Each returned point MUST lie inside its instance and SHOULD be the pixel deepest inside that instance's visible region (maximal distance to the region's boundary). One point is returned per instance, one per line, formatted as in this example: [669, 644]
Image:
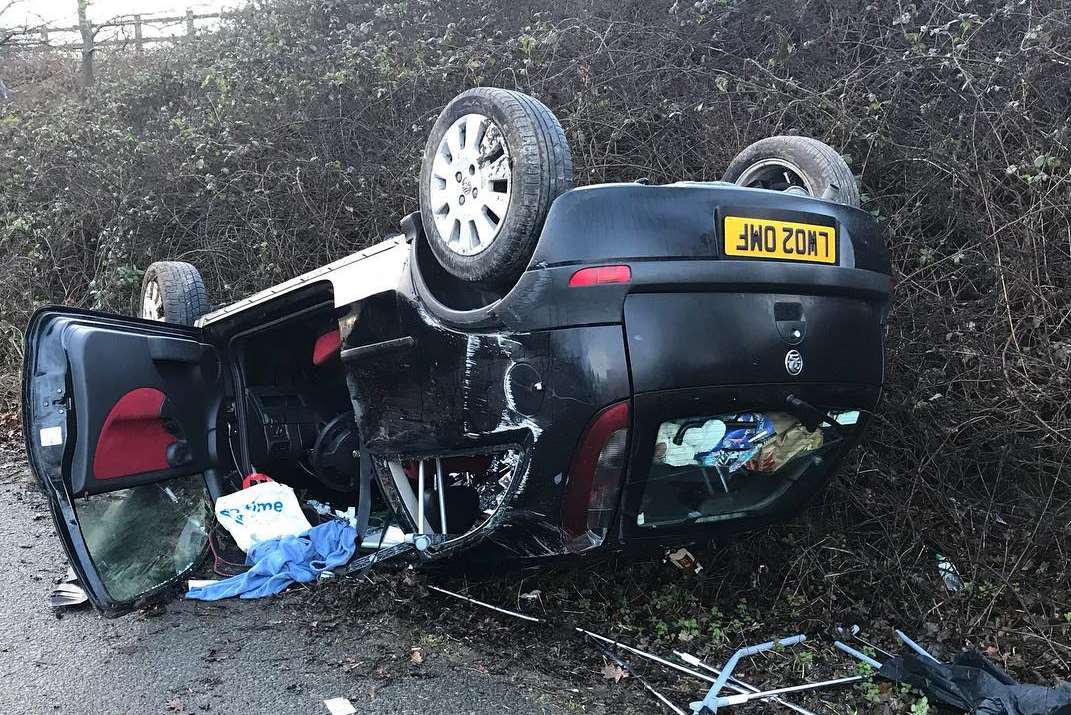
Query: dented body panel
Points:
[695, 393]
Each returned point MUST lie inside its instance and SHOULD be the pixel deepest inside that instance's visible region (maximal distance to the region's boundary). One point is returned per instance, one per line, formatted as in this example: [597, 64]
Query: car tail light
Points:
[600, 275]
[595, 478]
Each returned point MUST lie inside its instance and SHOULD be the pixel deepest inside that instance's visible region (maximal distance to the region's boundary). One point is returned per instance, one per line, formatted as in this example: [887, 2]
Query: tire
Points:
[798, 165]
[173, 292]
[509, 171]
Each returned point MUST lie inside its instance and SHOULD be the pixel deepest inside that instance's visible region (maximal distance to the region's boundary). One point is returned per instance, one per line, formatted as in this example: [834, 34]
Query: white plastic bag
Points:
[267, 510]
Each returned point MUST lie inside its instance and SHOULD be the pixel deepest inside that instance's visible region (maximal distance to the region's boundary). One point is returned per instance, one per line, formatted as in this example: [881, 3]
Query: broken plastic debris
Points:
[847, 418]
[340, 706]
[202, 582]
[325, 509]
[68, 593]
[377, 539]
[319, 507]
[949, 574]
[684, 560]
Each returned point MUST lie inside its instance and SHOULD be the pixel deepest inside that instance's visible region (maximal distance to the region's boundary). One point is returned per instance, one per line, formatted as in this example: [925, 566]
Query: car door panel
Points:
[151, 413]
[119, 418]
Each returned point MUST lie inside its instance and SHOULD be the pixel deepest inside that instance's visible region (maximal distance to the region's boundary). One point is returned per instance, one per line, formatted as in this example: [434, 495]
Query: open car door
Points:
[119, 417]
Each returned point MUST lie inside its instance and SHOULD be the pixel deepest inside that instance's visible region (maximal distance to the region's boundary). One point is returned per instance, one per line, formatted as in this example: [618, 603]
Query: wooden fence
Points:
[44, 38]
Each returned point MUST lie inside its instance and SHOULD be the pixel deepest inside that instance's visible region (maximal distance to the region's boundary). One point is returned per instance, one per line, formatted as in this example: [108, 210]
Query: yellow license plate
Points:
[780, 240]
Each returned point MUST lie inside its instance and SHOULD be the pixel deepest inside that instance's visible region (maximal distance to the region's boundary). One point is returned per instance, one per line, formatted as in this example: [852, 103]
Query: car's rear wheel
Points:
[493, 164]
[797, 165]
[173, 292]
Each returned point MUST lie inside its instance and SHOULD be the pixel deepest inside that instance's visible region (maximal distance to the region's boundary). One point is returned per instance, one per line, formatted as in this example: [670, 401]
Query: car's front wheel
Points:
[798, 165]
[493, 164]
[173, 292]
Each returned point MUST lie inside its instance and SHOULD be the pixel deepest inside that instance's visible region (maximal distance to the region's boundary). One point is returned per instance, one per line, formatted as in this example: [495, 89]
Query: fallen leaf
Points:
[614, 672]
[416, 655]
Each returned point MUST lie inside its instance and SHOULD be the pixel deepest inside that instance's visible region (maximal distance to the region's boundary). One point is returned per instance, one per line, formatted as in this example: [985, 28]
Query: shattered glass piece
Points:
[143, 537]
[850, 417]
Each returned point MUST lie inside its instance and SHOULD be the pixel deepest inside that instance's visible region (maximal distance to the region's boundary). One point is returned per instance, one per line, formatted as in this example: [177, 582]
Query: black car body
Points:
[648, 318]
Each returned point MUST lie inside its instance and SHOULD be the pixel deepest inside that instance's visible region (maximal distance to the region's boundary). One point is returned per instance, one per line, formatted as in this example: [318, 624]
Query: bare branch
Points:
[5, 7]
[9, 33]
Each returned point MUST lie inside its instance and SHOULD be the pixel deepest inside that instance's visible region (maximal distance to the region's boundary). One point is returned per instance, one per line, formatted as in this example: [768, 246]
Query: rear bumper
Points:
[543, 300]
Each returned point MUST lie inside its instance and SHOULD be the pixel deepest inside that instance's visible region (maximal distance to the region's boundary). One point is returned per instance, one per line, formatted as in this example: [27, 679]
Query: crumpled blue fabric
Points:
[277, 563]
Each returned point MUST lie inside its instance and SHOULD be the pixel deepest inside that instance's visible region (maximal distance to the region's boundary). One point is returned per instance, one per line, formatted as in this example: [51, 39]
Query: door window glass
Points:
[141, 538]
[723, 466]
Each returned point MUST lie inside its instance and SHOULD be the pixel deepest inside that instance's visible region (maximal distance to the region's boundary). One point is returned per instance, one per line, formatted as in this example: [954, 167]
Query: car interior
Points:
[291, 418]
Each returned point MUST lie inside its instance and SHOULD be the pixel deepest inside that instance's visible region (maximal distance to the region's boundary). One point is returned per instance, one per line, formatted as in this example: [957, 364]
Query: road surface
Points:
[279, 655]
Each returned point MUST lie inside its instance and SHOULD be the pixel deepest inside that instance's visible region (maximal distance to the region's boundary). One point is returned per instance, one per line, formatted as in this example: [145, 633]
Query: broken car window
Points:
[717, 467]
[141, 538]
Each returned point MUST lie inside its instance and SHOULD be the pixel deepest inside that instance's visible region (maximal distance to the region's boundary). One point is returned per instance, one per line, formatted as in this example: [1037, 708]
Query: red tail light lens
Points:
[595, 477]
[600, 275]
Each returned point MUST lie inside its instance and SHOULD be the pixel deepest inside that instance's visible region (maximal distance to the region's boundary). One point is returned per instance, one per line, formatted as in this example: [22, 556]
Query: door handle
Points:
[175, 350]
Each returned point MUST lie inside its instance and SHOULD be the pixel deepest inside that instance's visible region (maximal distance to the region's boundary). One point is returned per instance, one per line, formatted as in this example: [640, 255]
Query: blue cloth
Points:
[277, 563]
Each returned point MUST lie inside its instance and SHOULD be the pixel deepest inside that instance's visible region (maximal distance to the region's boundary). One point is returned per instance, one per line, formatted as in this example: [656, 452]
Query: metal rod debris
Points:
[730, 700]
[845, 648]
[915, 646]
[508, 612]
[734, 684]
[730, 665]
[441, 491]
[739, 685]
[648, 656]
[420, 498]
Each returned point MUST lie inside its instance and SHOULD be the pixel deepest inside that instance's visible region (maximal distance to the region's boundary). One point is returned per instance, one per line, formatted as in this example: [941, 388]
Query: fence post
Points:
[189, 23]
[44, 36]
[85, 28]
[137, 36]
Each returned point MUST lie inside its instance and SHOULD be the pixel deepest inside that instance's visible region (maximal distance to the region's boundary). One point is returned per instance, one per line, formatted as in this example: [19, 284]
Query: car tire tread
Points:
[830, 175]
[182, 291]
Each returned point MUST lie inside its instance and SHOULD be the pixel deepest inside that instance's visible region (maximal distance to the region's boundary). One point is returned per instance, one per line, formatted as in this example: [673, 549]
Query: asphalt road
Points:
[280, 655]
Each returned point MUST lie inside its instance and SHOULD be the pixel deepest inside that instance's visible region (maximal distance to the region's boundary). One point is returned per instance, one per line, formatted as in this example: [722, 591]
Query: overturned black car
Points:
[529, 371]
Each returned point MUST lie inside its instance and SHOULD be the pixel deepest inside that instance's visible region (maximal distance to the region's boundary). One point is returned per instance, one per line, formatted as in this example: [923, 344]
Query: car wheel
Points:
[173, 292]
[798, 165]
[494, 163]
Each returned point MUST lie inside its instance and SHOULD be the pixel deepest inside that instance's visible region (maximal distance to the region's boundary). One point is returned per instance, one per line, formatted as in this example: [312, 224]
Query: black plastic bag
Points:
[975, 685]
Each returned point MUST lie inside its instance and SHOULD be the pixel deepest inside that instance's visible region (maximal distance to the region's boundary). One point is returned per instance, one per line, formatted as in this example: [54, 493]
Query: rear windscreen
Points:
[724, 466]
